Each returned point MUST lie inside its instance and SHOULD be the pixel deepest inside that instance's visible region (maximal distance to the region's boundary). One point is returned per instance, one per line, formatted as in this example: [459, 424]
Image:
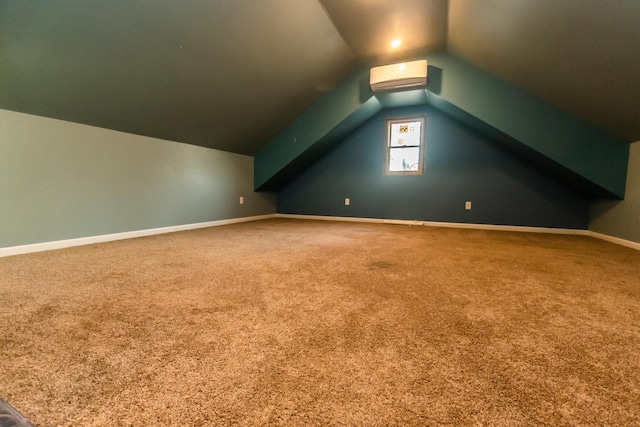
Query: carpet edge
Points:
[81, 241]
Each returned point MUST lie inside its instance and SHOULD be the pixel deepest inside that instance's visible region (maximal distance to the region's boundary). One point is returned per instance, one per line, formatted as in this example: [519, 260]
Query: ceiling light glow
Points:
[396, 43]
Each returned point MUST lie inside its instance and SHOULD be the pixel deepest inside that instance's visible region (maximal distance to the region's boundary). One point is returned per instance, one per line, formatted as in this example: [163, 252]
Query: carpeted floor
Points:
[288, 322]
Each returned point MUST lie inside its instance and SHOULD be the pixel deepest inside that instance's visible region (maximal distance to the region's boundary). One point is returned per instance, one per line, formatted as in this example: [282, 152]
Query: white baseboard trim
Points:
[491, 227]
[525, 229]
[60, 244]
[616, 240]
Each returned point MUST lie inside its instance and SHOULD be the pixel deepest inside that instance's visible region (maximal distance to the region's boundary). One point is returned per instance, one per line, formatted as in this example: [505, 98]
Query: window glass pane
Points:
[404, 159]
[405, 146]
[403, 134]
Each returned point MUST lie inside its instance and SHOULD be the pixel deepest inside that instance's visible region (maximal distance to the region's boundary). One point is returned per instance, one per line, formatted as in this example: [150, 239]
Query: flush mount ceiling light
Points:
[396, 43]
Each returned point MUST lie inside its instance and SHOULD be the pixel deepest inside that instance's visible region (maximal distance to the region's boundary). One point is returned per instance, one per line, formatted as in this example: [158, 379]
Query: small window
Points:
[405, 146]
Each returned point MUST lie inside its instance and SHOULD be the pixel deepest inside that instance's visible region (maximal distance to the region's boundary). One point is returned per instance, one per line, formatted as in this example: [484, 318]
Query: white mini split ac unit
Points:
[406, 75]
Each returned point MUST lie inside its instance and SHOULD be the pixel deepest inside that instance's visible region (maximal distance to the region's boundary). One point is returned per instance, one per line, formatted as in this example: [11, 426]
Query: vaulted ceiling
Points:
[231, 74]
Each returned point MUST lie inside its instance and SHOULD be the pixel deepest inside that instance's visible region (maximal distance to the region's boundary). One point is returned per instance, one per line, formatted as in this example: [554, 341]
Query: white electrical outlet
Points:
[347, 201]
[467, 205]
[241, 200]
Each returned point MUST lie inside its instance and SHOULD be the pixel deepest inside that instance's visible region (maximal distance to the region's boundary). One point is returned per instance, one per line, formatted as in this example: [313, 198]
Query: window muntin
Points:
[405, 146]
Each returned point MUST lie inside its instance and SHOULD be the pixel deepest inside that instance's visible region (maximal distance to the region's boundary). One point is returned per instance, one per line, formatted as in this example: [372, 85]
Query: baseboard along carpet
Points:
[299, 322]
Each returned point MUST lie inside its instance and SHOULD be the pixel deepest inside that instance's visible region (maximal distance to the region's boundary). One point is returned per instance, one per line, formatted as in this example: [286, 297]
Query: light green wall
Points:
[61, 180]
[621, 218]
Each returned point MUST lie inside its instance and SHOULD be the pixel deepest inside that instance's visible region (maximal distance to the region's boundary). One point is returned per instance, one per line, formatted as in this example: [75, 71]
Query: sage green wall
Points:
[621, 218]
[62, 180]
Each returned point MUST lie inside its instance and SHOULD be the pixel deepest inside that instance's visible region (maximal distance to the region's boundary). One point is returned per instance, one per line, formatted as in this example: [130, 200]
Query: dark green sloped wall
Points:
[585, 157]
[461, 165]
[336, 115]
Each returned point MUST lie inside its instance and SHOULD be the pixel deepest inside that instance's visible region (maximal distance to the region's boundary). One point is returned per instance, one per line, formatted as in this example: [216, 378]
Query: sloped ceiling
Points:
[231, 74]
[580, 55]
[226, 74]
[368, 27]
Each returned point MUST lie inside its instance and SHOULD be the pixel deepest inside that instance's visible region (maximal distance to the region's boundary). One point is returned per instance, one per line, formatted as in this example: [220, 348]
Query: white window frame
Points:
[389, 147]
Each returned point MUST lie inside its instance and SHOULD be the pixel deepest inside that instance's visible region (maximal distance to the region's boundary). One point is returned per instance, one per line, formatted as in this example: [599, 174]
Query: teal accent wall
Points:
[316, 131]
[61, 180]
[570, 149]
[461, 165]
[556, 140]
[621, 218]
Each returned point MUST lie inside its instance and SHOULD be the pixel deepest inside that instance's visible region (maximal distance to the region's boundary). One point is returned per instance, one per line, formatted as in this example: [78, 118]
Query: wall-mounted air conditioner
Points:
[406, 75]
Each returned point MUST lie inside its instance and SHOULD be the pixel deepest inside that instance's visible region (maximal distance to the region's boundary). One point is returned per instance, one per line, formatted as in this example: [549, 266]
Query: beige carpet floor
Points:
[291, 322]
